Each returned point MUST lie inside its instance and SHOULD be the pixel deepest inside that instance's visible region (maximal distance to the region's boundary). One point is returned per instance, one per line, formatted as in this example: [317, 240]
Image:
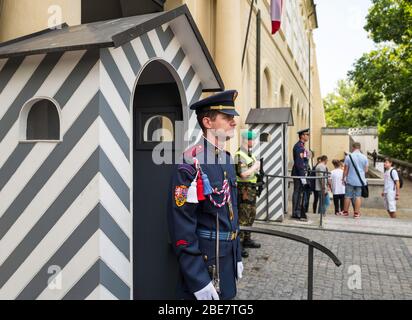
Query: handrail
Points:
[395, 161]
[297, 238]
[325, 175]
[404, 167]
[301, 177]
[311, 244]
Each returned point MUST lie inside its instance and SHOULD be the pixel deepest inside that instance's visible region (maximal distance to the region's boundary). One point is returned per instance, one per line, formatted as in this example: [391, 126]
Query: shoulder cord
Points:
[225, 188]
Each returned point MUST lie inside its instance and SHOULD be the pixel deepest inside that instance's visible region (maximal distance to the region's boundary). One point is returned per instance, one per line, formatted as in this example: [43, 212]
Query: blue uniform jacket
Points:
[299, 166]
[195, 254]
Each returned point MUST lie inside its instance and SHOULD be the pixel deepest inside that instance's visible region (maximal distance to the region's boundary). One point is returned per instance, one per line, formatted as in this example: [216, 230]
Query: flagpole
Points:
[248, 30]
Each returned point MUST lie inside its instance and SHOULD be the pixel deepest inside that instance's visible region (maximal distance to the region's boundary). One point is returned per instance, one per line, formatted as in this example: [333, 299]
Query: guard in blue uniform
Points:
[299, 169]
[204, 200]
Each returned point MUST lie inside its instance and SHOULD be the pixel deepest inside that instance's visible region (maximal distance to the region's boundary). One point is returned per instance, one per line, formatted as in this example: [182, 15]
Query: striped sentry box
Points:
[68, 204]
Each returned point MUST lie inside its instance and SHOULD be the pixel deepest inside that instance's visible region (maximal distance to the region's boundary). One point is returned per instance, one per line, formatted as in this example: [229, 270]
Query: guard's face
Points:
[306, 137]
[223, 126]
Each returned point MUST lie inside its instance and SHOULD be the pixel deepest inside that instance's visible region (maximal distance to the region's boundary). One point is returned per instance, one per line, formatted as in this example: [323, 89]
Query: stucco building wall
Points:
[285, 58]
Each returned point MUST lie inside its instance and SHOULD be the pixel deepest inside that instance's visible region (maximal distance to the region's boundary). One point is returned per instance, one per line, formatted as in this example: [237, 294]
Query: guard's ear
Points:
[207, 123]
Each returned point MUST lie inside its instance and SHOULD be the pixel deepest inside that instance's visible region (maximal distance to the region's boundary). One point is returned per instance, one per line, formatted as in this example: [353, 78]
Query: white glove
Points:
[303, 181]
[240, 270]
[207, 293]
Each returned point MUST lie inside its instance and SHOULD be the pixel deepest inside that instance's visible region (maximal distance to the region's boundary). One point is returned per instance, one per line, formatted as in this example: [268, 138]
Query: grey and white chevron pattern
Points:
[272, 153]
[68, 204]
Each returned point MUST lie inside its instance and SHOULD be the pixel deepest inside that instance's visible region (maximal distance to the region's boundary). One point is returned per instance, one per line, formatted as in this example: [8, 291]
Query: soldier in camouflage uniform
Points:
[246, 169]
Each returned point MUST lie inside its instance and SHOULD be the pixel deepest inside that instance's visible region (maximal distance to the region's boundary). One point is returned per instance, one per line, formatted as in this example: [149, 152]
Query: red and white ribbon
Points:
[226, 191]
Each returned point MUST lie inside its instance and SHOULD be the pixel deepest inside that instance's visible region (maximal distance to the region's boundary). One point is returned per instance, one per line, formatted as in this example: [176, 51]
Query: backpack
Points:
[400, 179]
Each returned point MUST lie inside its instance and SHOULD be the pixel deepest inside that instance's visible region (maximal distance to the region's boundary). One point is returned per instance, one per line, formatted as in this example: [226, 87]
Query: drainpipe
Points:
[310, 89]
[258, 59]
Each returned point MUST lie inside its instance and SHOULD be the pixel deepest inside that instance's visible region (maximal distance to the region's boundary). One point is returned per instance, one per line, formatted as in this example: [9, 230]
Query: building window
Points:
[266, 89]
[40, 121]
[265, 137]
[282, 102]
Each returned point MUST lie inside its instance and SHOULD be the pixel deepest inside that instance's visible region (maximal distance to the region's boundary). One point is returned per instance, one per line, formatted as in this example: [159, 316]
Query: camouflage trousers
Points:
[246, 207]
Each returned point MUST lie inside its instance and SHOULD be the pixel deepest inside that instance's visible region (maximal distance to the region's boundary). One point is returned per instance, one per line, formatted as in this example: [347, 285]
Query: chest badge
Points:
[181, 195]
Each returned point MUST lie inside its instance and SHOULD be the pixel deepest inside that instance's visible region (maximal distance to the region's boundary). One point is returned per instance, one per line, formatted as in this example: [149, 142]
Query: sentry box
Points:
[82, 204]
[272, 125]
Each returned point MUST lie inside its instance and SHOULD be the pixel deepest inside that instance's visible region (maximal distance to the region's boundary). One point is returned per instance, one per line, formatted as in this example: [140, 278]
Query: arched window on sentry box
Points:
[40, 121]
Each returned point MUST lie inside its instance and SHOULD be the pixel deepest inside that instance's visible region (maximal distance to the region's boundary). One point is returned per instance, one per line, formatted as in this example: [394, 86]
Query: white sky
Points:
[340, 39]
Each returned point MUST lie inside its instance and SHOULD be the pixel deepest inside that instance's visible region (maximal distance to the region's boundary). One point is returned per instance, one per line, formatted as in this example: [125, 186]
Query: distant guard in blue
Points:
[203, 213]
[300, 161]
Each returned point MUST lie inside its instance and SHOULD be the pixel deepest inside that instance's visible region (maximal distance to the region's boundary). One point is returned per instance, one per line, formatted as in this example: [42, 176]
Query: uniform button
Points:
[205, 258]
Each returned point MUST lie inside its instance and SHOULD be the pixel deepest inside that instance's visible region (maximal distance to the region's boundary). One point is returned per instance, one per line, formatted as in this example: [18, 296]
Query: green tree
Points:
[388, 71]
[391, 21]
[350, 107]
[379, 88]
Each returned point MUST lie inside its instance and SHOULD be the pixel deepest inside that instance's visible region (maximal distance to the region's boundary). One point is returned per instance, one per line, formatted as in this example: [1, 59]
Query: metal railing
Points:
[324, 176]
[405, 168]
[311, 246]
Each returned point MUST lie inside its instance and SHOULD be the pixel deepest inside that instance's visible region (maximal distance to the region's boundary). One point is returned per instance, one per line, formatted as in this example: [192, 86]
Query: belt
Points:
[223, 236]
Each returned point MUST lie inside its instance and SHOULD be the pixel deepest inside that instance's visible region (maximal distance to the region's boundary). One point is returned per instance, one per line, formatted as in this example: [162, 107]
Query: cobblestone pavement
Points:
[278, 271]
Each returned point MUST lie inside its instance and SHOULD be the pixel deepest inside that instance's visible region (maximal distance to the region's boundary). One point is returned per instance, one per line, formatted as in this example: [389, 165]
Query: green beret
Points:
[249, 135]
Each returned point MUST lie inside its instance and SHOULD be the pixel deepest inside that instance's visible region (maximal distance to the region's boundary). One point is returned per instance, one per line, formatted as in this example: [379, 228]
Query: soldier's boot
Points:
[244, 253]
[249, 243]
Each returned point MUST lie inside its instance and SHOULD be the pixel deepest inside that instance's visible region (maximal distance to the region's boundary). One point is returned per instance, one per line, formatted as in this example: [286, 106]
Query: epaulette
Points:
[187, 167]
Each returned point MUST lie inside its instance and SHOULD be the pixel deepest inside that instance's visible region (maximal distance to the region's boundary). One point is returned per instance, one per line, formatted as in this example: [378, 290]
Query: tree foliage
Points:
[350, 107]
[382, 78]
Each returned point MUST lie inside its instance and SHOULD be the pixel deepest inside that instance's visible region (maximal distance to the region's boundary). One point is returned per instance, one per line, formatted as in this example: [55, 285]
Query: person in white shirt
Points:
[337, 186]
[391, 188]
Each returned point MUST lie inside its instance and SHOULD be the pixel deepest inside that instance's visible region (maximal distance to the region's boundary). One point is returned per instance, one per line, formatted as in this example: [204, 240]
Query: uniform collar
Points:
[211, 147]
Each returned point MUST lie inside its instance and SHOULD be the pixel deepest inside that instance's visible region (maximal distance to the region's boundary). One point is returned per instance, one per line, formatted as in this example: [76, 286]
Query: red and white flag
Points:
[276, 13]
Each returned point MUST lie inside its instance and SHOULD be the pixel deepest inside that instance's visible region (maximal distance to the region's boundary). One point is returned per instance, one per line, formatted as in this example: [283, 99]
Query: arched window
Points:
[291, 102]
[266, 89]
[302, 116]
[282, 97]
[298, 118]
[40, 121]
[247, 95]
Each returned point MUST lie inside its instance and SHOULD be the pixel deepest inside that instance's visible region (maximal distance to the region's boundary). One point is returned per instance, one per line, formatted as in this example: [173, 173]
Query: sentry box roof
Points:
[115, 33]
[270, 116]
